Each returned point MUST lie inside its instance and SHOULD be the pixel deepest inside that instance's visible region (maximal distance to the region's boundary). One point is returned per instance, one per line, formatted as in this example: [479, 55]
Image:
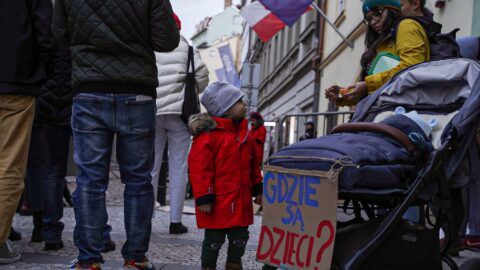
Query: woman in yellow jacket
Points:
[406, 39]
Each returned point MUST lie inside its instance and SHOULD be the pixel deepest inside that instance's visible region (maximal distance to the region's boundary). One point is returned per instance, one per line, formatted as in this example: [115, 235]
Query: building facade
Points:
[288, 82]
[287, 78]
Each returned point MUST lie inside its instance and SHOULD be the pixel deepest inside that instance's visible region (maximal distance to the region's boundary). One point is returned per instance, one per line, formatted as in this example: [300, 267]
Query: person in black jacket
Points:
[26, 61]
[309, 131]
[114, 79]
[54, 109]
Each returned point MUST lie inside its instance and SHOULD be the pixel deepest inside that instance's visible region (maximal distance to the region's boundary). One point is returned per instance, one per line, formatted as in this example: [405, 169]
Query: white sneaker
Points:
[7, 254]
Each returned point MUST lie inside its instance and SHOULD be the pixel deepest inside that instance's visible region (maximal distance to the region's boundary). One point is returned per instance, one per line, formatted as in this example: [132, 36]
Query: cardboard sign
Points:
[299, 219]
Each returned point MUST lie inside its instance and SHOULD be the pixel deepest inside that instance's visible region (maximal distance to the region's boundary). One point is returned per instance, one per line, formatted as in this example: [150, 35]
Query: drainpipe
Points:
[318, 59]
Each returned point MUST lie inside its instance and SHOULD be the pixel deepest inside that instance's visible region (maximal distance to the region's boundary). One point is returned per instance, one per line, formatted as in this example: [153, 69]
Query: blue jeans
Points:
[96, 118]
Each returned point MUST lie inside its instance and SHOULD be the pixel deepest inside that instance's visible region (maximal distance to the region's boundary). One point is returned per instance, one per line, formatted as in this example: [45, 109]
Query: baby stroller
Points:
[380, 180]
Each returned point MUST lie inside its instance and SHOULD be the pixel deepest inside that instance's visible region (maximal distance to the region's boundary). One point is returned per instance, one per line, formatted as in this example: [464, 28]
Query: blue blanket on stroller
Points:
[372, 161]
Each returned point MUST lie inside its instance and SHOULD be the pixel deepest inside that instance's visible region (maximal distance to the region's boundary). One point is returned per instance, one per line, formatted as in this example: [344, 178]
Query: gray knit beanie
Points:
[219, 97]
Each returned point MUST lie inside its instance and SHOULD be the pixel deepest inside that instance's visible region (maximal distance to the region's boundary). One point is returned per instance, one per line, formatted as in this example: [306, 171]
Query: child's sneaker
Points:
[141, 265]
[76, 265]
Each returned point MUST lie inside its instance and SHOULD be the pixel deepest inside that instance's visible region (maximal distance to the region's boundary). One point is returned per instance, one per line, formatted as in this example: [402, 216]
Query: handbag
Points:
[191, 104]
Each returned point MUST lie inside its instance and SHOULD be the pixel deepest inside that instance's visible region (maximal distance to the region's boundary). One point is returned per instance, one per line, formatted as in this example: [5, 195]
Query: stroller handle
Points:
[389, 131]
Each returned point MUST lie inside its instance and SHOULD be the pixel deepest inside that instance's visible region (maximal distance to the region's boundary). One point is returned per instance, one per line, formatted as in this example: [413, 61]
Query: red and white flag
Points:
[262, 20]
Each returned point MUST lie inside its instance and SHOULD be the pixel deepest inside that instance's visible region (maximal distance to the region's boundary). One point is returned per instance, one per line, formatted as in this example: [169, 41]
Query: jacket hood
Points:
[203, 122]
[200, 123]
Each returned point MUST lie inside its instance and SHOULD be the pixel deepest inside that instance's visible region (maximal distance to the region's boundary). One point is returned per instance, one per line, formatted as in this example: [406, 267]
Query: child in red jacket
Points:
[224, 174]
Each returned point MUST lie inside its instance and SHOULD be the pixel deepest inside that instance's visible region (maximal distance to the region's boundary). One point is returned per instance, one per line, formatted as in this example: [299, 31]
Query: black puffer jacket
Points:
[112, 42]
[54, 105]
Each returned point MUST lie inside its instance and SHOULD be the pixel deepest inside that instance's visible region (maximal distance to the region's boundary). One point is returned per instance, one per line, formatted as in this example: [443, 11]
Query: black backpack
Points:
[442, 45]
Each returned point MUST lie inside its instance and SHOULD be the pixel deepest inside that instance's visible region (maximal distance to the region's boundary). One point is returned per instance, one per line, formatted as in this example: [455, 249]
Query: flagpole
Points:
[319, 10]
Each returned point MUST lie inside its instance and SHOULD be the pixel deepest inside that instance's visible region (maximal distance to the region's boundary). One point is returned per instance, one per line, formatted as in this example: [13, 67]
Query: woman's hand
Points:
[332, 93]
[205, 208]
[360, 90]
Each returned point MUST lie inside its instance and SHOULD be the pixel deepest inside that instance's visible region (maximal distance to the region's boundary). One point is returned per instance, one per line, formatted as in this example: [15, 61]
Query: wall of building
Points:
[455, 14]
[220, 28]
[287, 77]
[212, 59]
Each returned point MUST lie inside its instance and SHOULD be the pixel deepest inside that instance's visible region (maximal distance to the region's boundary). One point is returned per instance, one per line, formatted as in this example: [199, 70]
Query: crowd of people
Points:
[103, 74]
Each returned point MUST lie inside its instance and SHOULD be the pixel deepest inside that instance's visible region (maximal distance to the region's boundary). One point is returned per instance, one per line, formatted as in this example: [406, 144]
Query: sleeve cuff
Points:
[257, 189]
[210, 198]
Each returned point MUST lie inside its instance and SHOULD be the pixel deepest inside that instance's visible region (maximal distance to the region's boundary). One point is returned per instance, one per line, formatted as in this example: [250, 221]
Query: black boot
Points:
[37, 234]
[14, 235]
[177, 228]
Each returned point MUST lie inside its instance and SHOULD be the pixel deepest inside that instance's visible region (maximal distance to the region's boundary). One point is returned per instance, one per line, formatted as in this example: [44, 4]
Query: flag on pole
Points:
[287, 10]
[262, 21]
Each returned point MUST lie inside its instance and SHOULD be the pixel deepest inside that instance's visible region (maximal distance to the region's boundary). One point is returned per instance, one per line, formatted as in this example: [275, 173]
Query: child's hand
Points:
[259, 199]
[205, 208]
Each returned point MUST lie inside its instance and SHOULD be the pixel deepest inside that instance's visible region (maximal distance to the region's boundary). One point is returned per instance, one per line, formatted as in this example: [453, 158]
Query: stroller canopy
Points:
[433, 84]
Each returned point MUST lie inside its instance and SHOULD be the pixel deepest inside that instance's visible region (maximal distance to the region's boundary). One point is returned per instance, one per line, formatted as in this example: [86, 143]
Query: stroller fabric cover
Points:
[370, 160]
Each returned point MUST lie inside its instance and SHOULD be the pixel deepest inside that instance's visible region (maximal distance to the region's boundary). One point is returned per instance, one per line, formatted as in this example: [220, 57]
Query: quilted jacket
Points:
[172, 73]
[113, 42]
[54, 104]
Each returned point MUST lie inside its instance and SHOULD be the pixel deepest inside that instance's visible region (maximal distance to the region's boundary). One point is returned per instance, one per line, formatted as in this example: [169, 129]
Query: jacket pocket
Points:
[87, 113]
[140, 116]
[227, 196]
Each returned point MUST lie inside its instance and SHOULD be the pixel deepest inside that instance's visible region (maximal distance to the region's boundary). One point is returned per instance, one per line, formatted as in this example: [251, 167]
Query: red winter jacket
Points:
[259, 135]
[223, 171]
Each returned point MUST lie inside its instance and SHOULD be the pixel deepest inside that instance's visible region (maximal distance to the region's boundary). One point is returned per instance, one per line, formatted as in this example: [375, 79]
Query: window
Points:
[340, 7]
[340, 16]
[274, 52]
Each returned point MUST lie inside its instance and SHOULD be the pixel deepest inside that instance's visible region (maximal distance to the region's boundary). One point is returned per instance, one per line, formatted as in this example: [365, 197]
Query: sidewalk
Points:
[166, 251]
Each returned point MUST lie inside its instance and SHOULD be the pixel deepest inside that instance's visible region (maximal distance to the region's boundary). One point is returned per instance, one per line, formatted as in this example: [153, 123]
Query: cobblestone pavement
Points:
[166, 251]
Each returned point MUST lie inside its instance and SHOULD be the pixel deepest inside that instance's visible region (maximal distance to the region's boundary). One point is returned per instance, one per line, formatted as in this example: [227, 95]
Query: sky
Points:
[191, 12]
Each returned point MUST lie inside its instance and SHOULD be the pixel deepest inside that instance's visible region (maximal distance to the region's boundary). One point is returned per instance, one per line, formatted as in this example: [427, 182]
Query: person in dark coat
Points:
[26, 60]
[309, 131]
[114, 80]
[54, 109]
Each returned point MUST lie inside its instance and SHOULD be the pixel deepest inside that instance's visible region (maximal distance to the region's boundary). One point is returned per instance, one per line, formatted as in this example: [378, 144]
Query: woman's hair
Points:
[373, 39]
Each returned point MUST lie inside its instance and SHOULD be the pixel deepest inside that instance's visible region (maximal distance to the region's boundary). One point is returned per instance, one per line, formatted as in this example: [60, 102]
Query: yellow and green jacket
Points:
[411, 45]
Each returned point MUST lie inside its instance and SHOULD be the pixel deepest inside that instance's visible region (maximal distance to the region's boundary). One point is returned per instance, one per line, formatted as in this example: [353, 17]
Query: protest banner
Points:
[299, 219]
